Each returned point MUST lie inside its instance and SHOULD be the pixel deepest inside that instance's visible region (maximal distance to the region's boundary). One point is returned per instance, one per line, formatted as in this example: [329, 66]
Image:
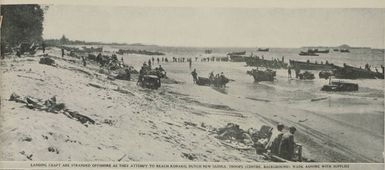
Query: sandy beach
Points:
[168, 124]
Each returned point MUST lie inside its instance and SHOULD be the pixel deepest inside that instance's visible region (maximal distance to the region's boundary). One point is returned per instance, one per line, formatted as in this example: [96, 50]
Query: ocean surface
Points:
[283, 91]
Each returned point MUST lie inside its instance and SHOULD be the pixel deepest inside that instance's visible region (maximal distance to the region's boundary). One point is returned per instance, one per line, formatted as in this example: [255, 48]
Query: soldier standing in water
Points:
[43, 46]
[62, 52]
[289, 72]
[195, 75]
[149, 63]
[297, 71]
[190, 63]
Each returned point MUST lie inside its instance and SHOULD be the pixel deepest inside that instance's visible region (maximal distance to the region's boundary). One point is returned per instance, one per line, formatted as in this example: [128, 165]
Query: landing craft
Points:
[93, 50]
[237, 56]
[259, 62]
[302, 53]
[306, 76]
[325, 74]
[263, 49]
[316, 50]
[345, 51]
[237, 53]
[340, 86]
[217, 82]
[259, 75]
[26, 46]
[312, 66]
[350, 72]
[208, 51]
[150, 81]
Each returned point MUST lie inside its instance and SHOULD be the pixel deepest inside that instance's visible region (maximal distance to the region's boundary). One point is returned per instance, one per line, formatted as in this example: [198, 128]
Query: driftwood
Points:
[29, 77]
[120, 159]
[96, 86]
[318, 99]
[51, 106]
[275, 158]
[124, 91]
[76, 115]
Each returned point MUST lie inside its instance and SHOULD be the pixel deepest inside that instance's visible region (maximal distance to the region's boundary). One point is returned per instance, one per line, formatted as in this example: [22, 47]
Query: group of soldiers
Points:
[152, 60]
[297, 71]
[219, 80]
[147, 70]
[282, 143]
[367, 67]
[183, 59]
[260, 61]
[212, 59]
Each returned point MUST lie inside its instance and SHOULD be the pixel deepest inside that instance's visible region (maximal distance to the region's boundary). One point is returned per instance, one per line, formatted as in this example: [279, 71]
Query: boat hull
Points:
[340, 86]
[251, 61]
[349, 72]
[311, 66]
[259, 76]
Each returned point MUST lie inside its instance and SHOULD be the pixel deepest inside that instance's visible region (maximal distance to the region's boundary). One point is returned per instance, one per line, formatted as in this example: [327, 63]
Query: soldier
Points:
[18, 53]
[43, 46]
[211, 76]
[99, 58]
[142, 72]
[297, 71]
[195, 75]
[289, 72]
[287, 145]
[162, 72]
[114, 57]
[2, 51]
[128, 73]
[367, 67]
[62, 52]
[161, 68]
[84, 61]
[275, 139]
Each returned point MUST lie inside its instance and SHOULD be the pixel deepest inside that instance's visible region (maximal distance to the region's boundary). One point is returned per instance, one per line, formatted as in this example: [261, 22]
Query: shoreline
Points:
[153, 121]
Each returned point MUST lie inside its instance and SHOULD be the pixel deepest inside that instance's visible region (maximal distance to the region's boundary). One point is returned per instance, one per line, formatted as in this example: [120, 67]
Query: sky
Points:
[217, 27]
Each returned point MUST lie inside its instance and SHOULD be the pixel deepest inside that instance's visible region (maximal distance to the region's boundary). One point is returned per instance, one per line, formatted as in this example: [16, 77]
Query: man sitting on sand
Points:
[287, 146]
[275, 139]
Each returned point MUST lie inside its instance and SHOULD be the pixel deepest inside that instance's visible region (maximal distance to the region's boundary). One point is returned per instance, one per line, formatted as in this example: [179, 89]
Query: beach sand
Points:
[136, 124]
